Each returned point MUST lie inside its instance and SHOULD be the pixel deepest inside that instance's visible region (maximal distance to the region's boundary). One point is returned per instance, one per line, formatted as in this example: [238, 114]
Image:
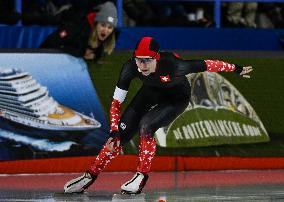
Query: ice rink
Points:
[240, 185]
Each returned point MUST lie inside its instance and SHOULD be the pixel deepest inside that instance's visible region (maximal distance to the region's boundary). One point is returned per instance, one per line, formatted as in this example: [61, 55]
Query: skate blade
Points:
[123, 192]
[128, 197]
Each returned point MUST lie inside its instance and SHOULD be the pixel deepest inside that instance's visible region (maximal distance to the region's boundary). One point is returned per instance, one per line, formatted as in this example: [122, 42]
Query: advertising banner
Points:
[48, 107]
[218, 114]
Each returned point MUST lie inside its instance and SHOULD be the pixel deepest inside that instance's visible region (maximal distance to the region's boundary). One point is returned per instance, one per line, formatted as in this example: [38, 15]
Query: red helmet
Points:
[147, 46]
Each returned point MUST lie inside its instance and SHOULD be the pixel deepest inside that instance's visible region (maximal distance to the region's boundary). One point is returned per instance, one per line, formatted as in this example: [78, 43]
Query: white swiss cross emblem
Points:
[165, 79]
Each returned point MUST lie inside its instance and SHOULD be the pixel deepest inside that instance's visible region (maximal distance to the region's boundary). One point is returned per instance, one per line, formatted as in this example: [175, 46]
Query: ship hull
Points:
[54, 135]
[37, 123]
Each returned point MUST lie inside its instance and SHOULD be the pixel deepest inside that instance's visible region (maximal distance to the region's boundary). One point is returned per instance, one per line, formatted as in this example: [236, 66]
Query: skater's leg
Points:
[143, 101]
[131, 119]
[81, 183]
[160, 116]
[147, 150]
[128, 127]
[105, 156]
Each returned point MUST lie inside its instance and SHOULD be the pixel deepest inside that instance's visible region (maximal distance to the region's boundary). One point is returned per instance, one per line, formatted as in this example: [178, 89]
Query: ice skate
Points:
[135, 185]
[79, 184]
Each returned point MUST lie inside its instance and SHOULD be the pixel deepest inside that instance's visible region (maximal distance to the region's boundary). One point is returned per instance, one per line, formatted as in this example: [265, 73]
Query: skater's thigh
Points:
[128, 125]
[160, 116]
[143, 101]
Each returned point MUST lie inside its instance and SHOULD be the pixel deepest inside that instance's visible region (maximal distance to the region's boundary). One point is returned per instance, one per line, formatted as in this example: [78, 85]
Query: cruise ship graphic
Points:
[24, 101]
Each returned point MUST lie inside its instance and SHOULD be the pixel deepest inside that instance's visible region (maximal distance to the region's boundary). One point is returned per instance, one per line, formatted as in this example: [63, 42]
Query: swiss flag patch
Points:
[165, 79]
[63, 34]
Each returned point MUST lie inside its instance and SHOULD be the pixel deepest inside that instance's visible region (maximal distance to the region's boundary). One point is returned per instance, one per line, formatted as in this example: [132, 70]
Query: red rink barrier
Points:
[129, 163]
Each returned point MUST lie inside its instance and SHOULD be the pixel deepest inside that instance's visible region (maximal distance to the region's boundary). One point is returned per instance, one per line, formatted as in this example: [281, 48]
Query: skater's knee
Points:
[125, 139]
[145, 128]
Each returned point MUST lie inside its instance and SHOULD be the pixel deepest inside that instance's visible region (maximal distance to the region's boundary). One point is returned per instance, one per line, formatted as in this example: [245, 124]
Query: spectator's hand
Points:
[245, 72]
[111, 143]
[89, 54]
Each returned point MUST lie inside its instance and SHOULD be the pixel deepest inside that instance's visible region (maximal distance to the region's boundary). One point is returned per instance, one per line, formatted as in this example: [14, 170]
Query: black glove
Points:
[114, 134]
[238, 69]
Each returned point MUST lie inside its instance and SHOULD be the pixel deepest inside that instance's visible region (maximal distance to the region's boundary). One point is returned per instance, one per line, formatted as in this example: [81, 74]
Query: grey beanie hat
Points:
[107, 14]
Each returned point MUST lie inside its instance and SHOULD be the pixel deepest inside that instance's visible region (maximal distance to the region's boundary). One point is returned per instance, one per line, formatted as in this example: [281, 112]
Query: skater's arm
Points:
[185, 67]
[221, 66]
[115, 110]
[119, 95]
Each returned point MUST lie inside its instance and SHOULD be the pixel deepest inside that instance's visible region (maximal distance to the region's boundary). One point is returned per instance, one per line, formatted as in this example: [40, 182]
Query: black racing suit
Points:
[164, 95]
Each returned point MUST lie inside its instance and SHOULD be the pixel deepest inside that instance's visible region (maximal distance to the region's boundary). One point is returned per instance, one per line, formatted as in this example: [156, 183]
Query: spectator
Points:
[241, 14]
[271, 15]
[151, 13]
[139, 11]
[161, 14]
[170, 13]
[199, 14]
[33, 11]
[90, 37]
[53, 12]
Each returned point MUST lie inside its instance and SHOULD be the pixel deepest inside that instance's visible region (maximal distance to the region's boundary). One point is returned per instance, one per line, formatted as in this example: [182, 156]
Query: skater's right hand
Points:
[114, 134]
[112, 143]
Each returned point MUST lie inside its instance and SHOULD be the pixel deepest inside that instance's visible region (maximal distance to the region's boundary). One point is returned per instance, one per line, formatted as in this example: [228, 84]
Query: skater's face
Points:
[146, 65]
[104, 30]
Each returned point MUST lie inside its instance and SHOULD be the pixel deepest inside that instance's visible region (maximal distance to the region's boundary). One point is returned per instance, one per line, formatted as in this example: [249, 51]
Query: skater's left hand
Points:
[245, 72]
[112, 143]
